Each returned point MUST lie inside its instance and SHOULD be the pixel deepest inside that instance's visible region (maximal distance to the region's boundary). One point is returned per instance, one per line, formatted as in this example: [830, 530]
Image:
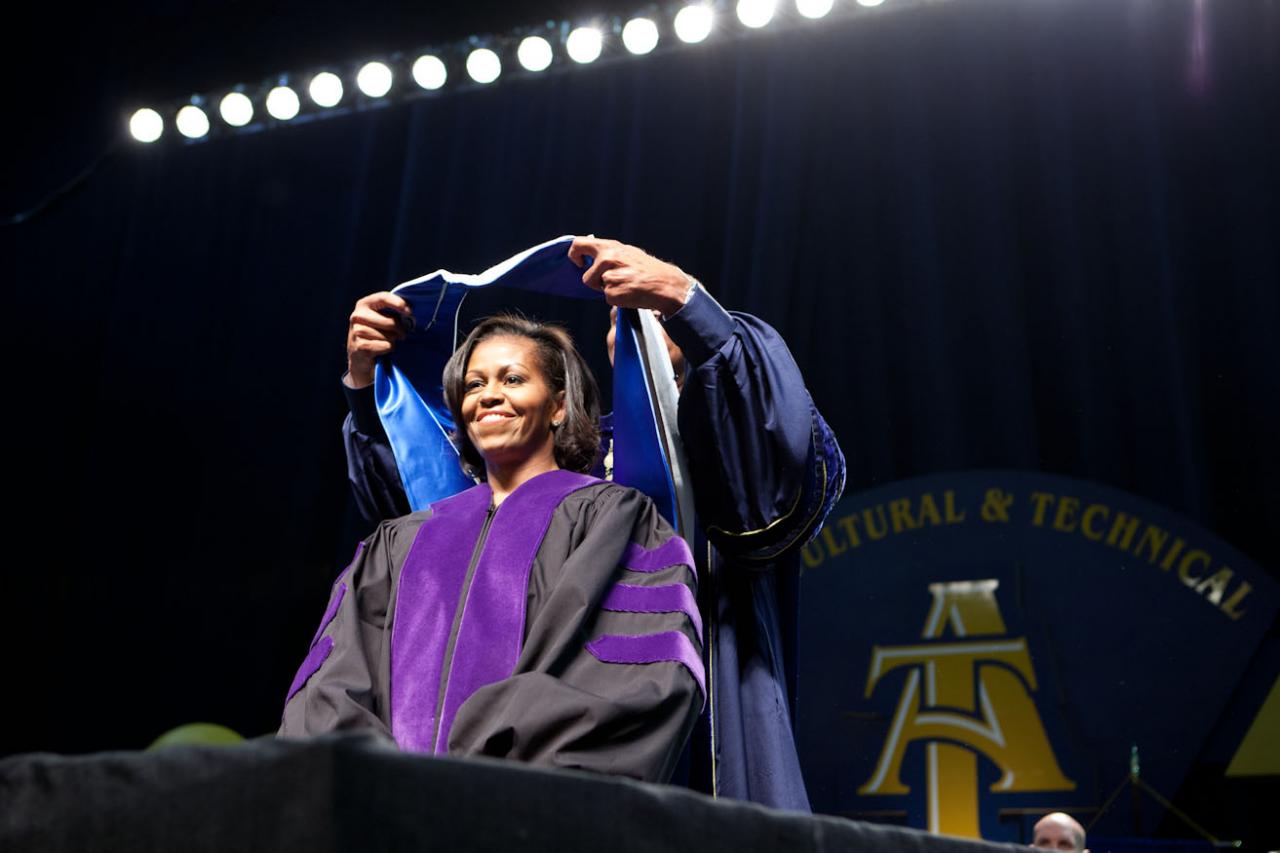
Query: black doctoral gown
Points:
[561, 629]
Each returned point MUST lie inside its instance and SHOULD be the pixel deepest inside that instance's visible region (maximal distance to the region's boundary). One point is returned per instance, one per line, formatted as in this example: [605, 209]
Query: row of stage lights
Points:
[691, 24]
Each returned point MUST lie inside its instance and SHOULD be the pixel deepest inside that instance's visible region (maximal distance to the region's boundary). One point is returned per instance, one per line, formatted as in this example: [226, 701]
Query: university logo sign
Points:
[967, 694]
[976, 649]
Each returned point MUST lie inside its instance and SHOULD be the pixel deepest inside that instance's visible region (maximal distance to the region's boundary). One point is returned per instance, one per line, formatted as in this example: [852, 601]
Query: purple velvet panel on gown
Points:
[430, 583]
[491, 628]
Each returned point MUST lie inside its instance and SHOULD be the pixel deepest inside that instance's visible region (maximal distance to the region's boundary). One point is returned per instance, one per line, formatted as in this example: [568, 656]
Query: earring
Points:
[555, 424]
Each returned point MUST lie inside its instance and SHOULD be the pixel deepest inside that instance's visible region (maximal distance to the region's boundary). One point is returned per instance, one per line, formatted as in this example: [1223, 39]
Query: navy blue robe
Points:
[766, 470]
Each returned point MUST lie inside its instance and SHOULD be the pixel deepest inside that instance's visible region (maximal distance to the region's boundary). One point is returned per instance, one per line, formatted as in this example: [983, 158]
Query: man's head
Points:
[1059, 831]
[678, 363]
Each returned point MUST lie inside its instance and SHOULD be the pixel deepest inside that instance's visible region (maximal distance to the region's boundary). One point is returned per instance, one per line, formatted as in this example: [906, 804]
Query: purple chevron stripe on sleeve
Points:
[669, 646]
[673, 552]
[355, 558]
[318, 654]
[670, 598]
[330, 611]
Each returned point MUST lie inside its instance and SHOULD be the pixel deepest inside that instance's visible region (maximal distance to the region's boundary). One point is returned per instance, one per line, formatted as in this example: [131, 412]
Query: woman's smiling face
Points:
[507, 403]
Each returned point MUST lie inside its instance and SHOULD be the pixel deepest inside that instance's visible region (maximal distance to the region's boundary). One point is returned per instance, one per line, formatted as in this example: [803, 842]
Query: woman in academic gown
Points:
[542, 615]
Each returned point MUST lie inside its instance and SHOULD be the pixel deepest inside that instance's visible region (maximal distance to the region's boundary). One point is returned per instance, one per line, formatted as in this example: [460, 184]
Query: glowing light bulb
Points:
[693, 23]
[236, 109]
[429, 72]
[584, 44]
[374, 79]
[282, 103]
[325, 89]
[146, 125]
[814, 8]
[483, 65]
[640, 35]
[755, 13]
[192, 122]
[534, 53]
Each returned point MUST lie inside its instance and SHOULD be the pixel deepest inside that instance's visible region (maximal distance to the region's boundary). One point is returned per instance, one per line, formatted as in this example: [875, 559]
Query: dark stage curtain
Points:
[996, 234]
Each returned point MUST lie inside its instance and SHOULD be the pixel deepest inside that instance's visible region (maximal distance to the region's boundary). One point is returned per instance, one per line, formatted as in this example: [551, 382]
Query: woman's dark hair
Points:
[577, 439]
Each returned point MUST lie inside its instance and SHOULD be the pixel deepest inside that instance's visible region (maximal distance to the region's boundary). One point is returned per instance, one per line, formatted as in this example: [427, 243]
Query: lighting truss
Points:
[479, 62]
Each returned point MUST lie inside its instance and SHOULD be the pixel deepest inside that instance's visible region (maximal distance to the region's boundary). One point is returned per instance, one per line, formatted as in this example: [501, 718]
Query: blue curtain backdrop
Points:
[1035, 235]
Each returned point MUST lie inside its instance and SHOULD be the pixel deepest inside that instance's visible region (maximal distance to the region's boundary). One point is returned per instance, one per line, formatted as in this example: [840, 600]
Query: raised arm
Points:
[766, 468]
[371, 464]
[373, 329]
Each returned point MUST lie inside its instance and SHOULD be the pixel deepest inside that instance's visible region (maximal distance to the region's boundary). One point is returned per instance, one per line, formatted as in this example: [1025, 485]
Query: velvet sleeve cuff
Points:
[364, 409]
[701, 327]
